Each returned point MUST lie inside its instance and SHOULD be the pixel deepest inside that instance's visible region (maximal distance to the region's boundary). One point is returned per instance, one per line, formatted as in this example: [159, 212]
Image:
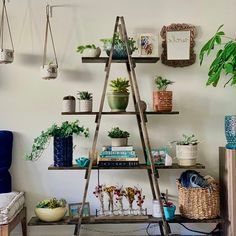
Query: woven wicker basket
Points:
[199, 203]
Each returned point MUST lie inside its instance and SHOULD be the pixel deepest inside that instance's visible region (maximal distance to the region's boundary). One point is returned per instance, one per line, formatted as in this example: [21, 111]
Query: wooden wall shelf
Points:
[34, 221]
[121, 113]
[105, 60]
[141, 166]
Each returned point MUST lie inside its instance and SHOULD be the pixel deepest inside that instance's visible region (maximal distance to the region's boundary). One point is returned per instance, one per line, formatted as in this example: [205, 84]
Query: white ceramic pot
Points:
[85, 105]
[50, 215]
[6, 55]
[68, 104]
[186, 154]
[91, 52]
[49, 71]
[119, 142]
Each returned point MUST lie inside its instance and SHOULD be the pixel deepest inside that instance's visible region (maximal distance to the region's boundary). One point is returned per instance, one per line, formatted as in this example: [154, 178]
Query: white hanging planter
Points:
[85, 105]
[49, 71]
[6, 56]
[186, 154]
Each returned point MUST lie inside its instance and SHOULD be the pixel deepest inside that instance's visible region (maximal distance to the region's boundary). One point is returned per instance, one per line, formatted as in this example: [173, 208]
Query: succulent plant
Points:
[84, 95]
[120, 85]
[51, 203]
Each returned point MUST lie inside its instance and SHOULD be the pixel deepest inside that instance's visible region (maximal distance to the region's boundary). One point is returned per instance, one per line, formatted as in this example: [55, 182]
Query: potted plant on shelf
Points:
[119, 51]
[118, 98]
[51, 210]
[63, 142]
[224, 61]
[118, 137]
[85, 101]
[186, 150]
[49, 71]
[162, 99]
[89, 50]
[169, 210]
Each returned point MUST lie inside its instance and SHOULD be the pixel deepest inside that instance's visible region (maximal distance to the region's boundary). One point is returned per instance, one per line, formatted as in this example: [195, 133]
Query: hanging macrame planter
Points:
[49, 69]
[6, 54]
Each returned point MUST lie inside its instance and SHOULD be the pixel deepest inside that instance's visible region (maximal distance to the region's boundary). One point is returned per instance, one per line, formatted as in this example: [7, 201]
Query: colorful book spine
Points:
[118, 153]
[118, 159]
[118, 164]
[118, 148]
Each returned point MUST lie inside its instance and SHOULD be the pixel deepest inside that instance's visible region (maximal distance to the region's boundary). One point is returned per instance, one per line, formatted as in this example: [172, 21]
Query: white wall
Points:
[30, 104]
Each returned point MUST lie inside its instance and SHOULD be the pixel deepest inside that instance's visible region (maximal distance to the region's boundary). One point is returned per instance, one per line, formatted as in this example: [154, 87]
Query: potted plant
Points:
[118, 98]
[63, 142]
[85, 101]
[224, 61]
[162, 99]
[6, 56]
[186, 150]
[169, 210]
[118, 137]
[51, 210]
[49, 71]
[89, 50]
[119, 51]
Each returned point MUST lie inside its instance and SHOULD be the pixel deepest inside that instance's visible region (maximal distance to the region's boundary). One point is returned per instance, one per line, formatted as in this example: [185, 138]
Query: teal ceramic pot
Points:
[118, 102]
[230, 131]
[119, 51]
[169, 212]
[82, 161]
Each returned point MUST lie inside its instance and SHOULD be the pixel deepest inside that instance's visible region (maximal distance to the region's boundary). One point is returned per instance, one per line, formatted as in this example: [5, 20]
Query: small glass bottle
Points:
[156, 208]
[68, 104]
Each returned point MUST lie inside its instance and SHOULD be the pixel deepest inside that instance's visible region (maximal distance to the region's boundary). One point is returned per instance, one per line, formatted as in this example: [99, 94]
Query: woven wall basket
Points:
[199, 203]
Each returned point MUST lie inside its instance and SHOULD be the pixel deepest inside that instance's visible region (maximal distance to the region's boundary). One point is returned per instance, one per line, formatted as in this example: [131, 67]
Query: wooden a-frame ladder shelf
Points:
[141, 118]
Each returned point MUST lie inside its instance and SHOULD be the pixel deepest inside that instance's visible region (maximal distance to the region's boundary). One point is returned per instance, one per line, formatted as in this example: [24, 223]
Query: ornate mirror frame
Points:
[192, 55]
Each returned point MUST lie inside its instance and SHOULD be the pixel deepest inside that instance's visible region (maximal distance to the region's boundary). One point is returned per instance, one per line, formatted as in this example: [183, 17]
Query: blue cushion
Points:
[6, 142]
[5, 182]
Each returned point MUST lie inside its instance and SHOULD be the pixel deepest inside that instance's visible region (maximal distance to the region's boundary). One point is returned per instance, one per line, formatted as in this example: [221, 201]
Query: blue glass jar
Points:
[230, 131]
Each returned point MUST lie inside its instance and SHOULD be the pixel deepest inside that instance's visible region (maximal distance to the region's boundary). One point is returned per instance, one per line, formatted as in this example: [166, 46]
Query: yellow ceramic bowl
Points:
[50, 215]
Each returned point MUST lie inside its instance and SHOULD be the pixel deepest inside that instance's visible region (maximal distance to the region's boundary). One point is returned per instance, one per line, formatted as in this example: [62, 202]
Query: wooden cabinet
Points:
[227, 164]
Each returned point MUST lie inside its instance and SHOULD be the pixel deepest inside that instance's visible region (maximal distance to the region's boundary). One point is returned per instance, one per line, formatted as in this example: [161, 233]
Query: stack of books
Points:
[121, 156]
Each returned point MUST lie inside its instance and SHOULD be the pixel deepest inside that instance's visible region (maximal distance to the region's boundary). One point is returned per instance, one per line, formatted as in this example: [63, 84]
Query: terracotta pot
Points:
[162, 101]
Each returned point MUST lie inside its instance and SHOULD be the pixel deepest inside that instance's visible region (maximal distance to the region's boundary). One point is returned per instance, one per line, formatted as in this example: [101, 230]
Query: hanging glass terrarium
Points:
[6, 54]
[49, 68]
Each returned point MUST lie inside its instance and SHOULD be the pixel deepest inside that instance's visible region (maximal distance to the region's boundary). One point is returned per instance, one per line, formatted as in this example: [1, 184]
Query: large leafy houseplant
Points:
[225, 59]
[65, 130]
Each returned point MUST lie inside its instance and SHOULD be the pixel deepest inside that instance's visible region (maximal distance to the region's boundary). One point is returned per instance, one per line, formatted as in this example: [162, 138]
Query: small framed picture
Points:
[74, 210]
[148, 45]
[159, 156]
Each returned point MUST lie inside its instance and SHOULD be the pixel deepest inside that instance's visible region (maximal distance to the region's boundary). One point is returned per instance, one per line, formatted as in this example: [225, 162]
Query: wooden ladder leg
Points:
[98, 121]
[24, 224]
[5, 230]
[143, 124]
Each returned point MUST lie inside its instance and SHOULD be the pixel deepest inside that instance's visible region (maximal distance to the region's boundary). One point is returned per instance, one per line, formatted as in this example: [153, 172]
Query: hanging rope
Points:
[4, 13]
[48, 28]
